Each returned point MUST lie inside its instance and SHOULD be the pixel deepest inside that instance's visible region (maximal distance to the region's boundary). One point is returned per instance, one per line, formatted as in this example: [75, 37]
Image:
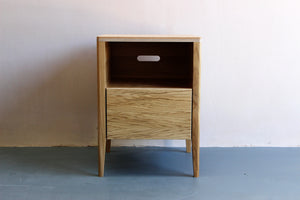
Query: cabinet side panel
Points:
[101, 74]
[196, 108]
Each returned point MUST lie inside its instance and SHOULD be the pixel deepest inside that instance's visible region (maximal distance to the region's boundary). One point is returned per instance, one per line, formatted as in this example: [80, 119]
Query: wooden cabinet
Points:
[148, 88]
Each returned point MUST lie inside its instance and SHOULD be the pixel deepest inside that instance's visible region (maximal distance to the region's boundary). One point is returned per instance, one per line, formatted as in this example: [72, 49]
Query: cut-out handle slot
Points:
[148, 58]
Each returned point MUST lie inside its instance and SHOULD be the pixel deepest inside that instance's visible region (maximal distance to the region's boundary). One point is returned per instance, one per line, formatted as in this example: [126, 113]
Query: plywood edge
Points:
[149, 38]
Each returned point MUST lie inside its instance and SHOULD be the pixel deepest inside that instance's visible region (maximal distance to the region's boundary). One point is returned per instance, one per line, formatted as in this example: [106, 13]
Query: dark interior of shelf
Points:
[174, 69]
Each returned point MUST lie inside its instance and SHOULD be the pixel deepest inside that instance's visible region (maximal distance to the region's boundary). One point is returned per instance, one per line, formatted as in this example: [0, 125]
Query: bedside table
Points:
[148, 88]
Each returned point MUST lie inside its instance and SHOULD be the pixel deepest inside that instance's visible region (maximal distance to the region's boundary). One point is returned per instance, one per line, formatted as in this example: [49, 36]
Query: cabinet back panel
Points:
[175, 63]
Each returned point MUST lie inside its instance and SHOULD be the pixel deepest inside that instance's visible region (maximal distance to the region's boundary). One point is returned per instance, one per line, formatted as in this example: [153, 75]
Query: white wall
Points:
[250, 67]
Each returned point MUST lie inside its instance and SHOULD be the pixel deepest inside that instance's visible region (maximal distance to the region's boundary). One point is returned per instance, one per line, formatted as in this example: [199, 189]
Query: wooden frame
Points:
[132, 79]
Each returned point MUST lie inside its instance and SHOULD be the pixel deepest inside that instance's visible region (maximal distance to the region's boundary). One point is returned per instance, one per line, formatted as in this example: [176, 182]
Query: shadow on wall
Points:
[52, 103]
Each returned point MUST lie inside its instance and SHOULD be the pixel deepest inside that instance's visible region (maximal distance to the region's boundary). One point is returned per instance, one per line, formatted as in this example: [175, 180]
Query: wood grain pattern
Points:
[188, 145]
[149, 38]
[196, 108]
[149, 113]
[102, 66]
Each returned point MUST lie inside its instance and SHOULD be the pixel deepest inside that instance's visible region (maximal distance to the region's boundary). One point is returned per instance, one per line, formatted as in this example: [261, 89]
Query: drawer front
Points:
[148, 113]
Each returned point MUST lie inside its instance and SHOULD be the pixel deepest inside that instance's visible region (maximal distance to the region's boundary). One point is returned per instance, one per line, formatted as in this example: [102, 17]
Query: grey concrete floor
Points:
[149, 173]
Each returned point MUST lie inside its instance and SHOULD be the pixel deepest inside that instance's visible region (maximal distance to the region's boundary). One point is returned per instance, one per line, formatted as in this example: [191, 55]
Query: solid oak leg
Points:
[108, 145]
[196, 108]
[101, 154]
[188, 145]
[195, 149]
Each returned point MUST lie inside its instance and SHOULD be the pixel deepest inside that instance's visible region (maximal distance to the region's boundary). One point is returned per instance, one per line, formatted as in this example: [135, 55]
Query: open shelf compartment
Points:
[154, 64]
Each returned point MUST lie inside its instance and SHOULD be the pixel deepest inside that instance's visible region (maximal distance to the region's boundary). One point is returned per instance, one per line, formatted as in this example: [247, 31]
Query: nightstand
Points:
[148, 88]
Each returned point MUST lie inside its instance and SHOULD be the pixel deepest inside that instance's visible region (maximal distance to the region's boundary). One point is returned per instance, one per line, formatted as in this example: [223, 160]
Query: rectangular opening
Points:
[150, 64]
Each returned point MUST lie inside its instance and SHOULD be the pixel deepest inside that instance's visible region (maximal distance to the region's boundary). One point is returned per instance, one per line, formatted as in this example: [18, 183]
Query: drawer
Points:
[148, 113]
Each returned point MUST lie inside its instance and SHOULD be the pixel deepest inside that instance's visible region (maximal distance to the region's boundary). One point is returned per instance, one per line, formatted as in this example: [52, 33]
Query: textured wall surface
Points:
[250, 67]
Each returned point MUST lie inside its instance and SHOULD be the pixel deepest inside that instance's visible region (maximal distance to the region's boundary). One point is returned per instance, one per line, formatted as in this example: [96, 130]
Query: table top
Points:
[148, 38]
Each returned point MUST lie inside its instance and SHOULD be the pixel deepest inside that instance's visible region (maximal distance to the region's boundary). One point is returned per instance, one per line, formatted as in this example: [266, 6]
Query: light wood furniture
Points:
[148, 88]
